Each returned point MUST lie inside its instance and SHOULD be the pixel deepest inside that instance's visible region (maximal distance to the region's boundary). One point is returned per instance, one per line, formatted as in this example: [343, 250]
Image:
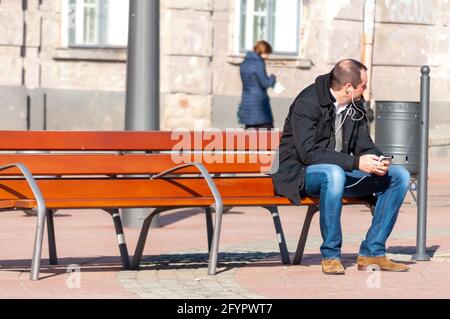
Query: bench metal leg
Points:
[280, 234]
[214, 253]
[39, 236]
[209, 226]
[143, 238]
[120, 238]
[302, 241]
[51, 238]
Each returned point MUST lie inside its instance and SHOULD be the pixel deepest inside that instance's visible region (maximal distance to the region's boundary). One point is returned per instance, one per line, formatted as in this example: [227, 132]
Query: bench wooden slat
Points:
[107, 164]
[5, 204]
[76, 203]
[138, 188]
[135, 140]
[129, 187]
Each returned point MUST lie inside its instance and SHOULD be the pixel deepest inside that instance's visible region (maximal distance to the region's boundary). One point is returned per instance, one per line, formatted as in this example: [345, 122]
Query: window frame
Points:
[239, 6]
[101, 31]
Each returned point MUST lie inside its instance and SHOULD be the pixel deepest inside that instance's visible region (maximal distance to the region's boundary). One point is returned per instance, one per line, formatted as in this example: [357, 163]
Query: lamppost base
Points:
[421, 257]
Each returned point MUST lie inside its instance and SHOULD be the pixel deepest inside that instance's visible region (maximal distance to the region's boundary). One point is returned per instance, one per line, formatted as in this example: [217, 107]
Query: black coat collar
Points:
[323, 84]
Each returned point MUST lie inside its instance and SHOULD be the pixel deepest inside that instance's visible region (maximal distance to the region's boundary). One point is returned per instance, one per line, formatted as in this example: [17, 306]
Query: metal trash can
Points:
[397, 132]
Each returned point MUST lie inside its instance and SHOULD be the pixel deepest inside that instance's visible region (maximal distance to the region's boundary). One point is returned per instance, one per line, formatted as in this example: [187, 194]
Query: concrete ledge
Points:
[440, 136]
[276, 60]
[91, 54]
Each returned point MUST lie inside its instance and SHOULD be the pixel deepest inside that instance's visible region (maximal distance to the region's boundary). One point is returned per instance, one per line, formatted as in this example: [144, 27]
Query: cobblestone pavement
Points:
[183, 274]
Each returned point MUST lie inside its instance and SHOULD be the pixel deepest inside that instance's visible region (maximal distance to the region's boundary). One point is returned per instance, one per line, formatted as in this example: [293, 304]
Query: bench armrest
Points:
[31, 182]
[41, 210]
[214, 249]
[205, 174]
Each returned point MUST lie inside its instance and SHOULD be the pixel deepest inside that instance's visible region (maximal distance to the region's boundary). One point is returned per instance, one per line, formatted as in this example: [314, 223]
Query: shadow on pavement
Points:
[411, 250]
[227, 261]
[167, 218]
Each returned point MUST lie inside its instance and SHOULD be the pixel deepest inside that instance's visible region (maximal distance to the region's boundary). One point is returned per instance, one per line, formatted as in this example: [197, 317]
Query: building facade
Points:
[63, 62]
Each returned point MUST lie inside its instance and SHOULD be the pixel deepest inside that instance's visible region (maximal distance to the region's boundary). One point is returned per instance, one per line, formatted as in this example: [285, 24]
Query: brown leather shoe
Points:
[332, 267]
[381, 263]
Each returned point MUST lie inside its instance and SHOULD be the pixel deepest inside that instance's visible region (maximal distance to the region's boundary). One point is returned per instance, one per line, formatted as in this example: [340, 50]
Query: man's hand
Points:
[370, 164]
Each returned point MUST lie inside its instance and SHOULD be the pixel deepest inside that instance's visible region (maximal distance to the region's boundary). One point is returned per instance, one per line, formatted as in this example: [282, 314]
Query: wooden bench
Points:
[161, 170]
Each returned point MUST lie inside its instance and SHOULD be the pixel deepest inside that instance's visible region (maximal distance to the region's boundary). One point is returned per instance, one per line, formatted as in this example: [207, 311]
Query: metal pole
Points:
[421, 254]
[367, 49]
[368, 37]
[142, 95]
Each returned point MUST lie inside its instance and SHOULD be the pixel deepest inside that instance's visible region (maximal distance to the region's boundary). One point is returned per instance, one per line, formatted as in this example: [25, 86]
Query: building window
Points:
[96, 23]
[276, 21]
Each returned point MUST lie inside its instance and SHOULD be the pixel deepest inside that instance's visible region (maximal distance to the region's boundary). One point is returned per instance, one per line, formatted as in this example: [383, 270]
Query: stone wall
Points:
[41, 82]
[186, 72]
[46, 86]
[407, 35]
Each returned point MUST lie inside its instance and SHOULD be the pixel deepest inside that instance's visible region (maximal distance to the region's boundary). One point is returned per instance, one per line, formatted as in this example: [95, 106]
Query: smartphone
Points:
[385, 158]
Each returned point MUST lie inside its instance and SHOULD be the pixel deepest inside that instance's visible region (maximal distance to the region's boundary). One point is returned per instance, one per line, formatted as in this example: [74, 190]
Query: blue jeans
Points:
[330, 182]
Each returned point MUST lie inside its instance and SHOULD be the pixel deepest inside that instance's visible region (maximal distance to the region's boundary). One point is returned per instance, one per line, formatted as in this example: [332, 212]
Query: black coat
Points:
[255, 104]
[308, 138]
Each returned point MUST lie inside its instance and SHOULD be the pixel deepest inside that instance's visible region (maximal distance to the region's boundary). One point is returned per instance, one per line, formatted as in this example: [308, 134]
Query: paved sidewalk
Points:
[175, 262]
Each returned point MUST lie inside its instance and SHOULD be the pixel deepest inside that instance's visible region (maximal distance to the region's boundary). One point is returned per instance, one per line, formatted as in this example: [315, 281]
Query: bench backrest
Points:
[70, 153]
[131, 152]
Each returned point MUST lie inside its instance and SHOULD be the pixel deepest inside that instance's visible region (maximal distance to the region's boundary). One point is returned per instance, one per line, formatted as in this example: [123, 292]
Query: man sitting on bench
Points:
[326, 151]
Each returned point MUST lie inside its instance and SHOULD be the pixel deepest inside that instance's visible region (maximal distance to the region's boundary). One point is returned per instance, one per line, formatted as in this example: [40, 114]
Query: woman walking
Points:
[254, 110]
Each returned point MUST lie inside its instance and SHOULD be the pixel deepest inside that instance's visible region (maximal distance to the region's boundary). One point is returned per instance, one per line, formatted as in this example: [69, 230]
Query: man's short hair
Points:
[346, 71]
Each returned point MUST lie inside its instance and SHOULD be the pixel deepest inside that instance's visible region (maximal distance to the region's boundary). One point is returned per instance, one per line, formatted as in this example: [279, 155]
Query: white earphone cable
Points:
[352, 113]
[359, 181]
